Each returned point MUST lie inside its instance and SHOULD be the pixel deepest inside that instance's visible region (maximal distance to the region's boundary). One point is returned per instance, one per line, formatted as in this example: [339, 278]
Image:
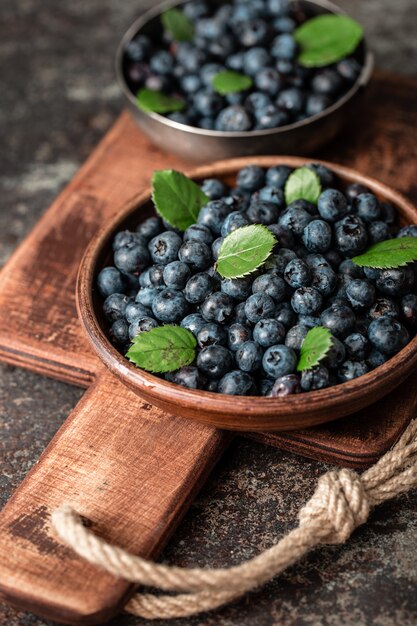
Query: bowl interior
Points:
[241, 413]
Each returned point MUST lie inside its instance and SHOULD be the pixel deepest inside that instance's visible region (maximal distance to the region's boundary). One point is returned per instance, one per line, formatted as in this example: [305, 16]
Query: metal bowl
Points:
[199, 145]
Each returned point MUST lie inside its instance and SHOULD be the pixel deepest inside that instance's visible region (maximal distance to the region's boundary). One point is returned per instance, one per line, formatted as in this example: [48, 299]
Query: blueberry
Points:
[326, 176]
[309, 320]
[162, 62]
[295, 218]
[131, 258]
[251, 177]
[378, 231]
[269, 81]
[254, 60]
[259, 306]
[249, 356]
[193, 322]
[317, 236]
[349, 69]
[214, 361]
[190, 83]
[213, 214]
[271, 117]
[262, 212]
[170, 305]
[277, 176]
[211, 334]
[235, 61]
[395, 282]
[218, 307]
[284, 237]
[114, 306]
[367, 207]
[214, 189]
[200, 233]
[236, 383]
[285, 314]
[196, 254]
[376, 358]
[269, 332]
[409, 309]
[272, 285]
[297, 274]
[198, 288]
[195, 9]
[353, 190]
[277, 262]
[284, 47]
[164, 248]
[324, 280]
[336, 355]
[234, 220]
[327, 82]
[387, 335]
[146, 295]
[135, 310]
[316, 104]
[285, 24]
[350, 268]
[190, 57]
[123, 238]
[237, 288]
[352, 369]
[207, 102]
[286, 386]
[210, 28]
[357, 346]
[238, 334]
[351, 235]
[233, 118]
[279, 361]
[176, 274]
[332, 205]
[291, 100]
[139, 48]
[141, 325]
[274, 195]
[315, 378]
[149, 228]
[295, 336]
[187, 376]
[408, 231]
[253, 33]
[119, 332]
[339, 319]
[239, 316]
[360, 293]
[317, 261]
[257, 101]
[152, 276]
[110, 281]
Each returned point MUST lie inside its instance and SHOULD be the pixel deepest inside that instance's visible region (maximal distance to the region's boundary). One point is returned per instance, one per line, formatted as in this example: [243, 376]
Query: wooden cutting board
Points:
[127, 467]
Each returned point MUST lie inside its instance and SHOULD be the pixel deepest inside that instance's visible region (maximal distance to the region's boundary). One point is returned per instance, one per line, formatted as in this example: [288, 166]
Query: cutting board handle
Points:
[130, 470]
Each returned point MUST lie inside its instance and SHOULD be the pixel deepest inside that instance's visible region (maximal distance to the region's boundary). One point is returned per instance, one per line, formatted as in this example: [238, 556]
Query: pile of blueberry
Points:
[249, 330]
[251, 37]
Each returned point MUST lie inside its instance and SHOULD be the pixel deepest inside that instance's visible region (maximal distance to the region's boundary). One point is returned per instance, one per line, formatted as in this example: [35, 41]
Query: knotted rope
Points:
[342, 502]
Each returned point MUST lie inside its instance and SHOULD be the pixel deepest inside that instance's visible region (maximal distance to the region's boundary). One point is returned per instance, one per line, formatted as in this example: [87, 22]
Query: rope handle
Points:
[342, 501]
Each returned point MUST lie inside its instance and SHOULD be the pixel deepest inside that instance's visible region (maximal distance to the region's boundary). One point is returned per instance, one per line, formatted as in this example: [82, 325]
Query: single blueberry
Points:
[387, 335]
[149, 228]
[286, 386]
[176, 274]
[262, 212]
[324, 279]
[251, 177]
[297, 274]
[277, 176]
[360, 293]
[131, 258]
[213, 215]
[339, 319]
[409, 309]
[119, 332]
[234, 220]
[110, 281]
[367, 207]
[214, 361]
[196, 254]
[315, 378]
[193, 322]
[378, 231]
[170, 305]
[284, 46]
[212, 334]
[327, 82]
[114, 306]
[236, 383]
[351, 235]
[357, 346]
[295, 336]
[141, 325]
[198, 287]
[237, 288]
[269, 332]
[214, 189]
[269, 81]
[146, 295]
[187, 376]
[279, 361]
[291, 100]
[316, 104]
[352, 369]
[218, 307]
[336, 355]
[233, 118]
[164, 248]
[254, 60]
[317, 236]
[272, 285]
[295, 218]
[259, 306]
[395, 282]
[198, 232]
[238, 334]
[136, 310]
[249, 356]
[277, 262]
[332, 205]
[285, 314]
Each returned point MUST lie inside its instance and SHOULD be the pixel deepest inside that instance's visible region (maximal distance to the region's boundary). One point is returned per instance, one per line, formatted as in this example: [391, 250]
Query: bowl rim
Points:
[251, 407]
[360, 83]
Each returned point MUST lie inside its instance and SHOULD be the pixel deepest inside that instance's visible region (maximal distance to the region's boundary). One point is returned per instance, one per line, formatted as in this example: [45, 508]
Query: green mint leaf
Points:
[244, 250]
[389, 254]
[314, 348]
[326, 39]
[177, 199]
[178, 25]
[151, 101]
[302, 184]
[163, 349]
[230, 82]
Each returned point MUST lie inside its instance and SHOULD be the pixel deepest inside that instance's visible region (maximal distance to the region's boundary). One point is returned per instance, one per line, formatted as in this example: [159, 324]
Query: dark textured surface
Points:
[58, 97]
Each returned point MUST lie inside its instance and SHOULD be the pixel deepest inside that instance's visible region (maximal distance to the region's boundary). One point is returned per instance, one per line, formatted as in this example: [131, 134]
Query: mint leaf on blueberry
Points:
[151, 101]
[177, 24]
[177, 199]
[389, 254]
[163, 349]
[244, 250]
[326, 39]
[315, 346]
[229, 81]
[302, 184]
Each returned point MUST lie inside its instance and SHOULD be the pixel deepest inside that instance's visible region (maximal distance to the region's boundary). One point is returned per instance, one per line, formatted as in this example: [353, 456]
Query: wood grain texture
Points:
[126, 467]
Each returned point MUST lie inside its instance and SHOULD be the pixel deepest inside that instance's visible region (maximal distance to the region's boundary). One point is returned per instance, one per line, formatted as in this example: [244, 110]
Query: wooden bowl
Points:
[233, 412]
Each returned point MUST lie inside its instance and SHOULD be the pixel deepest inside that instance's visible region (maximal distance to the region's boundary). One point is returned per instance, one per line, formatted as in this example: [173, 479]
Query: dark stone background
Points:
[57, 98]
